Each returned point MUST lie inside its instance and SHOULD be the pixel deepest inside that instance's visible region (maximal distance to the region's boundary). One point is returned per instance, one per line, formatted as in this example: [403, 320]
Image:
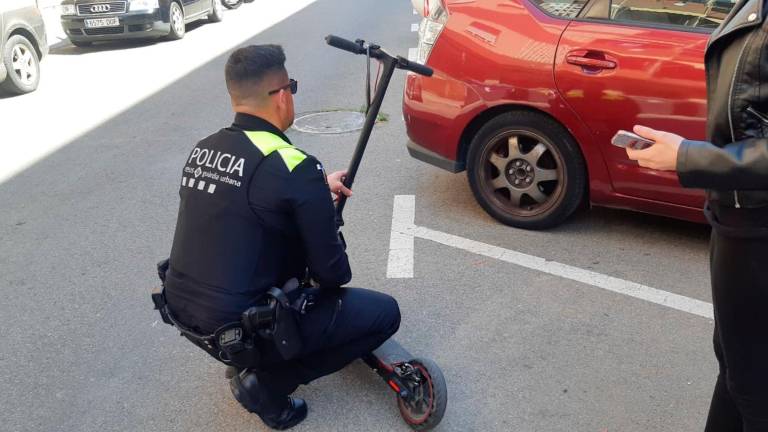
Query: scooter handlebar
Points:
[344, 44]
[418, 68]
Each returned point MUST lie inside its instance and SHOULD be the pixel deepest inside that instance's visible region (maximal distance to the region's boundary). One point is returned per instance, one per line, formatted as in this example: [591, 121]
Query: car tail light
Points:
[435, 17]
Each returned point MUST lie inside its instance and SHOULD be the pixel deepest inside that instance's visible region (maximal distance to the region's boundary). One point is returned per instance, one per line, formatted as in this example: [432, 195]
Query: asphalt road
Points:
[87, 212]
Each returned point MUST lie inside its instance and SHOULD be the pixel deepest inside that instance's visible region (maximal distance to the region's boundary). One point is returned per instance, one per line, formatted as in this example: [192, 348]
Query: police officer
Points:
[256, 212]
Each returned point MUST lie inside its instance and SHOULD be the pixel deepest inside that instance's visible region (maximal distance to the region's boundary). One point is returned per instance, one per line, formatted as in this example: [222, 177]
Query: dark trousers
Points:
[739, 270]
[344, 324]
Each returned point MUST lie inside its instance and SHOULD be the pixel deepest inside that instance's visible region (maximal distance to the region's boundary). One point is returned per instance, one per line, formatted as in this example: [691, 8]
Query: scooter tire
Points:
[432, 409]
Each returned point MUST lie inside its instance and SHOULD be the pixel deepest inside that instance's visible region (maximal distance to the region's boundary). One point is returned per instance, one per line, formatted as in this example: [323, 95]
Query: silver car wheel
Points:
[24, 66]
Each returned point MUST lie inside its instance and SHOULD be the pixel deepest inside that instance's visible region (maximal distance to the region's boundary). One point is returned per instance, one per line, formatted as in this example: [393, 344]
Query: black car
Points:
[88, 21]
[22, 45]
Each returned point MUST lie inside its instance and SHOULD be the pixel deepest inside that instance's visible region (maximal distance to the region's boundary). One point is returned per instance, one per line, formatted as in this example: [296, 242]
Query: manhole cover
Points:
[330, 122]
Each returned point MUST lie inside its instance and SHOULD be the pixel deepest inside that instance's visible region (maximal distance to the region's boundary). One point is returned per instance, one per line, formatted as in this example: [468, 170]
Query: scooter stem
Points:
[389, 65]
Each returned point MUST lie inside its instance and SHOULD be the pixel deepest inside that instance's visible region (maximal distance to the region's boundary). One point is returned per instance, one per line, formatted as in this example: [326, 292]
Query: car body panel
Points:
[676, 101]
[497, 55]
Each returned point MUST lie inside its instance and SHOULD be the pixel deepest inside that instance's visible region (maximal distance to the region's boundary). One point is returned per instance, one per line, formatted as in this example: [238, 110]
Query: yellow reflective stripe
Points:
[268, 142]
[292, 157]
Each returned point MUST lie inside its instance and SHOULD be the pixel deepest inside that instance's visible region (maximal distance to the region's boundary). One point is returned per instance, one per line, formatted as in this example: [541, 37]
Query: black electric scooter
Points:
[419, 384]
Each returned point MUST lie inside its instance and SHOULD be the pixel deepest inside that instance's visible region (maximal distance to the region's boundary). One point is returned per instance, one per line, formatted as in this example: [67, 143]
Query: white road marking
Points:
[400, 264]
[412, 54]
[404, 231]
[415, 27]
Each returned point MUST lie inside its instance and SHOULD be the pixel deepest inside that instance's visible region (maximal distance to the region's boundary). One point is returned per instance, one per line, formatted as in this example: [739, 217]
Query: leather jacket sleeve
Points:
[315, 216]
[742, 165]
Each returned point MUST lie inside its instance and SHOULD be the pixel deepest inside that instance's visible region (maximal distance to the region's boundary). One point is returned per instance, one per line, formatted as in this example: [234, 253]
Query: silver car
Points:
[22, 45]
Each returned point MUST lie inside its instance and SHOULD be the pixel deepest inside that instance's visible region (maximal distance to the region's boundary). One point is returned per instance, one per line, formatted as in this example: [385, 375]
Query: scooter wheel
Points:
[427, 407]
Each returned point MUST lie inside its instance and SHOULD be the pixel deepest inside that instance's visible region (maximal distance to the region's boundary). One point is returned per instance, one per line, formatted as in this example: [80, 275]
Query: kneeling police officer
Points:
[257, 213]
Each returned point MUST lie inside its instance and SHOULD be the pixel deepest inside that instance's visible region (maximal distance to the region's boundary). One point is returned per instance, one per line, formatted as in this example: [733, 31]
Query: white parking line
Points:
[415, 27]
[400, 263]
[404, 231]
[412, 54]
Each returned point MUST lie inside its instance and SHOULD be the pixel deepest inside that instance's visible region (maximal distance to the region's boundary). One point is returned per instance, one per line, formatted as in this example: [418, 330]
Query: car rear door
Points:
[627, 62]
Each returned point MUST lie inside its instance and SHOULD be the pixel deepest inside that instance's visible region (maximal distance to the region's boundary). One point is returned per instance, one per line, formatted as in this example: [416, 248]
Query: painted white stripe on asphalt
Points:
[400, 263]
[201, 185]
[415, 27]
[643, 292]
[211, 188]
[412, 54]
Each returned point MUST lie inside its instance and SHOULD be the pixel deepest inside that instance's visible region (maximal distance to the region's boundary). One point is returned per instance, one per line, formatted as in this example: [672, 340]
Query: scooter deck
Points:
[391, 352]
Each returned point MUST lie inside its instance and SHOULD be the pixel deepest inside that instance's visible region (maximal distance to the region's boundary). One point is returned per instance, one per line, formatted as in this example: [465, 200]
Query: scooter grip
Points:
[344, 44]
[418, 68]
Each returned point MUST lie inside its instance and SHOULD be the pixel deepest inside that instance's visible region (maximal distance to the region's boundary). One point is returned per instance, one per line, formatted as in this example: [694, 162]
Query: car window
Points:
[700, 14]
[561, 8]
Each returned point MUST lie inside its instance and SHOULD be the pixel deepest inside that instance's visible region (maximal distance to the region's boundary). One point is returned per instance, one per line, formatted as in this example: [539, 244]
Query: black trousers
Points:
[344, 324]
[739, 271]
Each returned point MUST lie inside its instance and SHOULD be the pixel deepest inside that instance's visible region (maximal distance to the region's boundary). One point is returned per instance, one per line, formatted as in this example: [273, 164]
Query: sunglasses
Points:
[292, 84]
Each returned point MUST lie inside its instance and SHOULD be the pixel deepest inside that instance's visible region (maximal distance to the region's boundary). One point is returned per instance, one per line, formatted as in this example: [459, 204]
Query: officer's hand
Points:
[662, 155]
[335, 184]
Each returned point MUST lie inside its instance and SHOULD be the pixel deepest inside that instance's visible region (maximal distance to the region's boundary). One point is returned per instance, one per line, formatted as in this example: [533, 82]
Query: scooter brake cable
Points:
[368, 78]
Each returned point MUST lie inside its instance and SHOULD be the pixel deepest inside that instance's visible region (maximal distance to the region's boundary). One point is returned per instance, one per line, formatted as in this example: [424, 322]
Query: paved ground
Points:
[89, 192]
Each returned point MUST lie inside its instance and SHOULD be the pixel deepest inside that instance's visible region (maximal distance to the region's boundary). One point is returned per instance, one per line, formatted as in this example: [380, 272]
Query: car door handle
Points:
[590, 62]
[588, 59]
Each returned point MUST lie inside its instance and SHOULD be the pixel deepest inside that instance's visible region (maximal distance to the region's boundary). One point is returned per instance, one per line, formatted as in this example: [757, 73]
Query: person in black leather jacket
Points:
[733, 168]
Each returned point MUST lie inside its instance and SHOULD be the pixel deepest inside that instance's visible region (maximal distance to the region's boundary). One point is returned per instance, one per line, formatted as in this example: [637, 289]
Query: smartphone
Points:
[626, 139]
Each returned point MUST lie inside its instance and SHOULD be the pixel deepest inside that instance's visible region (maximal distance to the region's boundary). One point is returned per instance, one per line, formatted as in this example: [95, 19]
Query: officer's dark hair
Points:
[250, 66]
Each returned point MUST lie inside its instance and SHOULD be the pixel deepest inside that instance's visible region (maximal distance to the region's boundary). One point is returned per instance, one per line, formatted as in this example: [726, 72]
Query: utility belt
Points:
[275, 318]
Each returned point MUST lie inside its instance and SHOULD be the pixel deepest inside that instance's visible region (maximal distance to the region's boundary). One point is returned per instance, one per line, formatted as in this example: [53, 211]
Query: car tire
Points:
[217, 11]
[526, 170]
[23, 66]
[232, 4]
[81, 44]
[176, 21]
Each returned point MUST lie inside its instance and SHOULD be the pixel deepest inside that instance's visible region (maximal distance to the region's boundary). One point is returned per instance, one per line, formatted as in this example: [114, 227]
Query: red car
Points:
[527, 95]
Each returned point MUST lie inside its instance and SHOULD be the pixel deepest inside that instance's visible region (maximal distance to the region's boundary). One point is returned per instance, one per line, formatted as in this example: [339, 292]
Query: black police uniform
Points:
[255, 212]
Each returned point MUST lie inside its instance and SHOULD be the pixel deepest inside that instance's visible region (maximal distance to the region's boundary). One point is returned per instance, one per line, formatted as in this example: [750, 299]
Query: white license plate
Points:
[102, 22]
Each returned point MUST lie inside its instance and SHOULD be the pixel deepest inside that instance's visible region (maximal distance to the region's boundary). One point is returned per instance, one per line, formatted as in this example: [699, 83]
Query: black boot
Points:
[277, 412]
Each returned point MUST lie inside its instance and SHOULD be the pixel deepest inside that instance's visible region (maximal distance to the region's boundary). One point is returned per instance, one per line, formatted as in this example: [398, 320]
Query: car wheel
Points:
[176, 18]
[81, 44]
[232, 4]
[217, 11]
[526, 170]
[23, 65]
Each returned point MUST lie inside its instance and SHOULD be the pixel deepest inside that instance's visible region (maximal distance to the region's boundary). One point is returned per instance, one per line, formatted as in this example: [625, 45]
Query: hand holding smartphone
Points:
[626, 139]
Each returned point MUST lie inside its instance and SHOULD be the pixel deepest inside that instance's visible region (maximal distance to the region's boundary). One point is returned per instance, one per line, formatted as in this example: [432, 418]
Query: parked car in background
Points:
[23, 45]
[89, 21]
[527, 95]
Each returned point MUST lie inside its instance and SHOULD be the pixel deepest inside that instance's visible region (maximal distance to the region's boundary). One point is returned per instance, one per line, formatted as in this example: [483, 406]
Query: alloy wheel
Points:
[24, 64]
[523, 172]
